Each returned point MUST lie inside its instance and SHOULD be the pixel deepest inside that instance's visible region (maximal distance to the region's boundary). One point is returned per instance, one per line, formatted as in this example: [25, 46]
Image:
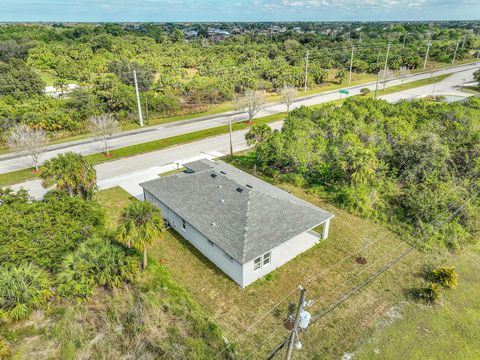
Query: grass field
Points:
[410, 85]
[326, 270]
[449, 331]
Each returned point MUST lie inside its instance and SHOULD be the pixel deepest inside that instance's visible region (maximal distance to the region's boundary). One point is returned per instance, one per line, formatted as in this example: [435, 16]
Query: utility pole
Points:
[291, 339]
[146, 108]
[386, 65]
[351, 66]
[463, 42]
[138, 98]
[429, 43]
[455, 53]
[306, 72]
[376, 86]
[230, 133]
[404, 39]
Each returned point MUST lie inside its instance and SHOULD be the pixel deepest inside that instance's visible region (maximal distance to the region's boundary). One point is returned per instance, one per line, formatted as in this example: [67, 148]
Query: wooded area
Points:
[179, 74]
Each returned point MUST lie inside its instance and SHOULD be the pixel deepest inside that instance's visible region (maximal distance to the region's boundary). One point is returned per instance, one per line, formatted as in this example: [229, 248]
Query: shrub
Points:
[96, 262]
[22, 289]
[42, 232]
[365, 91]
[4, 350]
[294, 179]
[431, 293]
[445, 276]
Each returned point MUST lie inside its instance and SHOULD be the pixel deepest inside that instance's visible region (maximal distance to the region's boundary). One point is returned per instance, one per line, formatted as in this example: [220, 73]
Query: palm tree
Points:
[70, 172]
[140, 223]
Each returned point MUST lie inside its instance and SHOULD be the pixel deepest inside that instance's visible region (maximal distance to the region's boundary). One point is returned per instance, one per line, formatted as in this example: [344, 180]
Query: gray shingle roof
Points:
[240, 213]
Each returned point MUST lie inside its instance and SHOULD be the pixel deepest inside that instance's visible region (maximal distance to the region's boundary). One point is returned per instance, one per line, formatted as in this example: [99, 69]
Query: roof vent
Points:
[213, 224]
[213, 175]
[223, 172]
[239, 189]
[250, 186]
[189, 171]
[222, 201]
[219, 186]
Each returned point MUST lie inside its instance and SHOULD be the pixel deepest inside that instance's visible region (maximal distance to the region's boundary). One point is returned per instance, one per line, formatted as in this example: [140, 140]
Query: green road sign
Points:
[344, 92]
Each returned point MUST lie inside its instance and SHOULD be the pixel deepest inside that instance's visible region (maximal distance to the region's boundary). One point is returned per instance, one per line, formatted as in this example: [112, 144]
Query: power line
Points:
[368, 281]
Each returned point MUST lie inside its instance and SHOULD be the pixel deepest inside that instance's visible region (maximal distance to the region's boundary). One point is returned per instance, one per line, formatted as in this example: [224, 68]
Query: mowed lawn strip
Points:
[410, 85]
[328, 270]
[14, 177]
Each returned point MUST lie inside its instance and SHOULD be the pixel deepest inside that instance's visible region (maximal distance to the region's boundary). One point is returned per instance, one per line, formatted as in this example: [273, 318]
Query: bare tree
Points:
[104, 126]
[403, 72]
[29, 141]
[251, 102]
[385, 76]
[288, 93]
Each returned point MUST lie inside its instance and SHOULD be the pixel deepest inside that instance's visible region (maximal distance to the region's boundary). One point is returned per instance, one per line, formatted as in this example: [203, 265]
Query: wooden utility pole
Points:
[455, 52]
[306, 72]
[140, 117]
[146, 108]
[376, 86]
[230, 134]
[463, 42]
[351, 66]
[429, 43]
[386, 63]
[291, 339]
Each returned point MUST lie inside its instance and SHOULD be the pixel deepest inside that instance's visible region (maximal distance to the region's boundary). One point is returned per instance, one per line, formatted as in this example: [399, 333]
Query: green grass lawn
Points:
[447, 331]
[14, 177]
[409, 85]
[236, 309]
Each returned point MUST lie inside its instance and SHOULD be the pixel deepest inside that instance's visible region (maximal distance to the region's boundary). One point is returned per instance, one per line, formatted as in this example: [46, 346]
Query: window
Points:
[184, 225]
[262, 261]
[266, 259]
[257, 263]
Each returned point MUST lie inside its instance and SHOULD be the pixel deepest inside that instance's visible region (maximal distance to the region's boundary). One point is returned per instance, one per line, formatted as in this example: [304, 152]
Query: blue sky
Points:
[236, 10]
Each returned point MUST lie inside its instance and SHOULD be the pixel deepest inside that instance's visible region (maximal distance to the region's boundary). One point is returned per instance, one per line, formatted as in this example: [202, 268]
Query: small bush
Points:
[430, 294]
[445, 276]
[22, 289]
[294, 179]
[97, 262]
[365, 91]
[4, 350]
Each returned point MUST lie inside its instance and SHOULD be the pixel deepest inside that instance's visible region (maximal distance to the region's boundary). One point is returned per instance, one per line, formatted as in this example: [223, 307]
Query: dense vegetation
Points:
[412, 162]
[58, 257]
[178, 75]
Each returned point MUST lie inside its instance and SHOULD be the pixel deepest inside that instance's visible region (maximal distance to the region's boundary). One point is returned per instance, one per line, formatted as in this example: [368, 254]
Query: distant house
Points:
[57, 92]
[244, 225]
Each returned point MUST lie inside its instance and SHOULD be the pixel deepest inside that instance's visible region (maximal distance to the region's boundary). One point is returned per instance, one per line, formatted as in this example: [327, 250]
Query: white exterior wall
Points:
[283, 254]
[244, 274]
[216, 255]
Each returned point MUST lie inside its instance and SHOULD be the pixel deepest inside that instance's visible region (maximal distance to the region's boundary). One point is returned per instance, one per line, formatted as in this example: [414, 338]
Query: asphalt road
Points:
[90, 146]
[129, 172]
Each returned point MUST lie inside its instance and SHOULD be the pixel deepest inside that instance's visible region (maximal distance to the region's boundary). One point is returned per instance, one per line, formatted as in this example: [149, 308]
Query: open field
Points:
[448, 331]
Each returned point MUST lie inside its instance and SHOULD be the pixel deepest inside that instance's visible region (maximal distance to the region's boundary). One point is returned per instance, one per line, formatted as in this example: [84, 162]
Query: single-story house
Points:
[244, 225]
